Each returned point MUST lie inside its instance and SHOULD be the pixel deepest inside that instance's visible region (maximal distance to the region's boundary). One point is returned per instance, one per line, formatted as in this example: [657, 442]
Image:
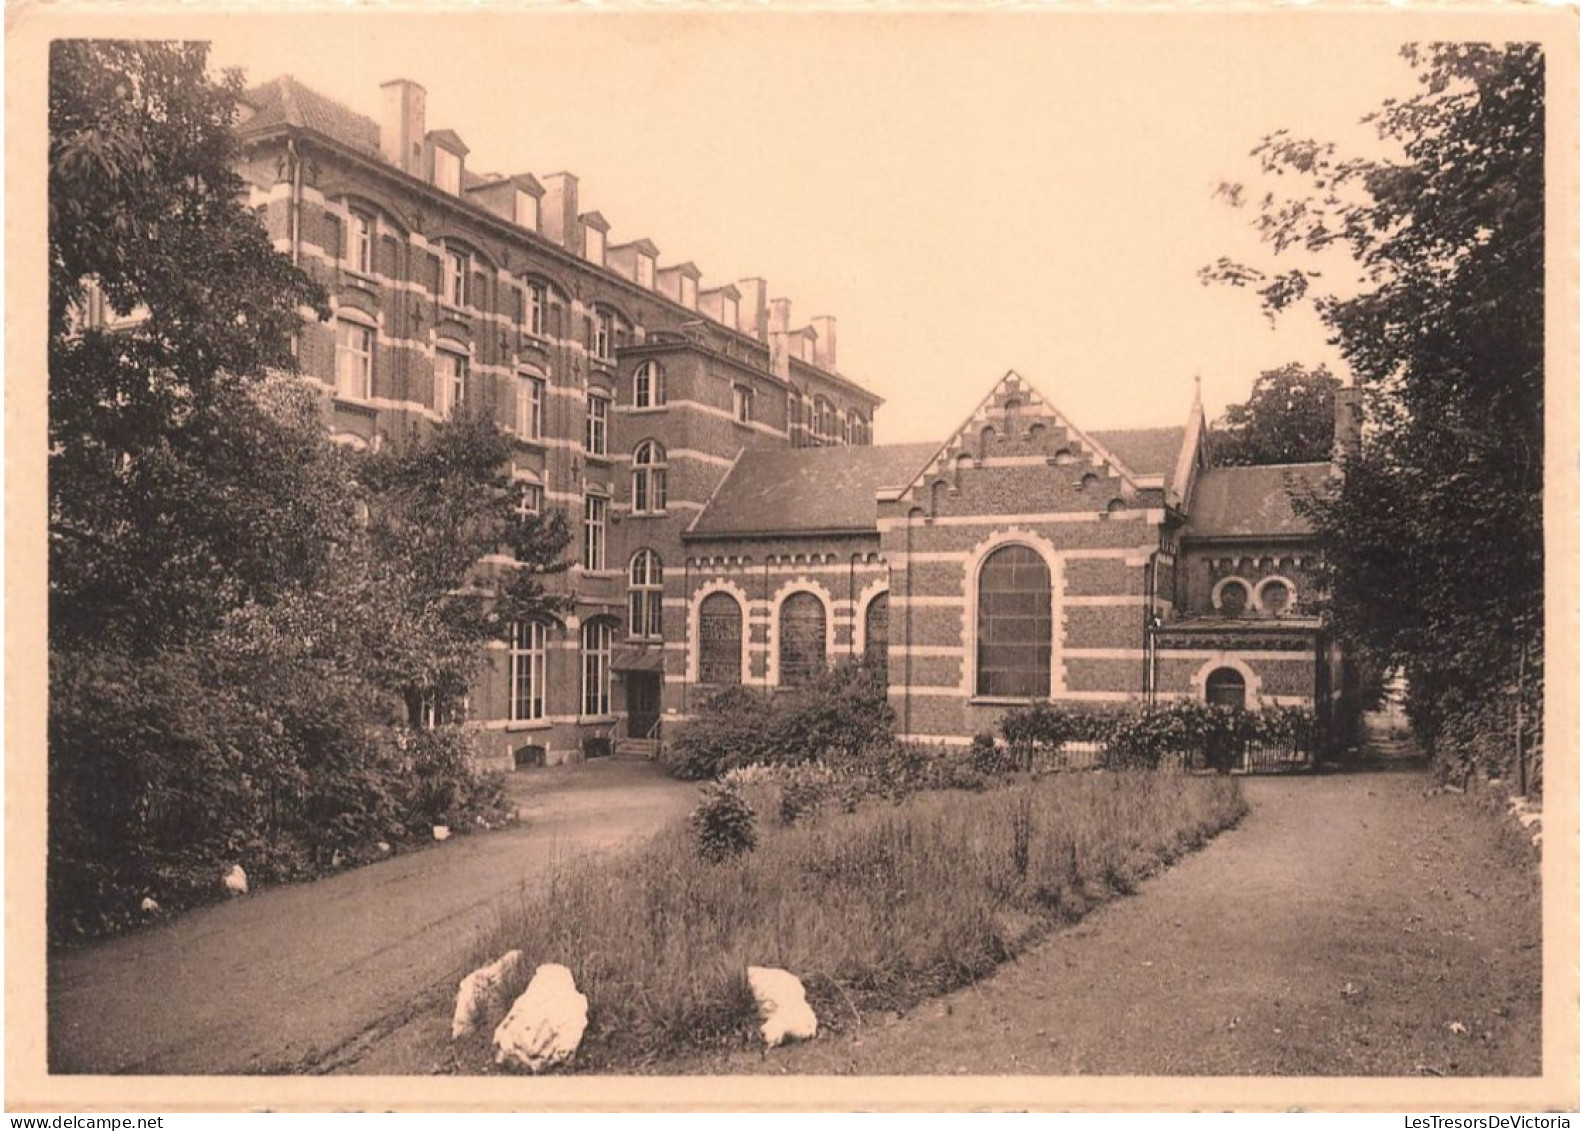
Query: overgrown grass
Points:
[874, 909]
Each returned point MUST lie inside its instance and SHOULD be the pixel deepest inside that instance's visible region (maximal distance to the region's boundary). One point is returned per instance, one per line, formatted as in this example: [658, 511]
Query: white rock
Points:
[478, 991]
[781, 999]
[1529, 819]
[149, 906]
[441, 832]
[383, 846]
[546, 1024]
[236, 881]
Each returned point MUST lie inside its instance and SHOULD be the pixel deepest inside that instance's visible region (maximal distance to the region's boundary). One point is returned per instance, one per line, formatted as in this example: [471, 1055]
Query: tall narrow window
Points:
[359, 244]
[530, 500]
[743, 404]
[649, 479]
[449, 382]
[597, 425]
[719, 640]
[537, 308]
[1014, 625]
[803, 639]
[457, 265]
[529, 408]
[602, 336]
[647, 389]
[646, 595]
[876, 626]
[528, 666]
[353, 360]
[596, 646]
[596, 517]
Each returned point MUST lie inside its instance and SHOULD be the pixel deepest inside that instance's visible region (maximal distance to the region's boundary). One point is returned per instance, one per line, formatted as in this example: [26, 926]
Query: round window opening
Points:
[1276, 597]
[1233, 598]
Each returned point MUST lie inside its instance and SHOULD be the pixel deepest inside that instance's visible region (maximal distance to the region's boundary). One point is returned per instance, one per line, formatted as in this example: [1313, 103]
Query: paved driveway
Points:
[293, 978]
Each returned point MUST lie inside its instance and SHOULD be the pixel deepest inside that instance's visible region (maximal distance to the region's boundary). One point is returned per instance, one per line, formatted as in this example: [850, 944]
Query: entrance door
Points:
[642, 695]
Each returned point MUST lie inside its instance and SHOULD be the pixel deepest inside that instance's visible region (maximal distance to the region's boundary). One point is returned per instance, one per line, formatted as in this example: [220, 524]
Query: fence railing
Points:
[1255, 759]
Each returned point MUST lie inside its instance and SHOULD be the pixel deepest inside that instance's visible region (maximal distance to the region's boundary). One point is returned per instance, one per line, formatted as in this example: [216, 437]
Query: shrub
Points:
[723, 824]
[735, 727]
[988, 757]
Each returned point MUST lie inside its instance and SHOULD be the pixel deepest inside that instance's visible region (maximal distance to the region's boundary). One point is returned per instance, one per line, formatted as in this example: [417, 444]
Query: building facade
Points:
[735, 523]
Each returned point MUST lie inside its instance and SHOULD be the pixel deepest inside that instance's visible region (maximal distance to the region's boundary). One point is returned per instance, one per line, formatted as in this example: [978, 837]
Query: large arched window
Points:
[876, 629]
[646, 595]
[803, 641]
[597, 646]
[719, 640]
[649, 478]
[1014, 624]
[647, 388]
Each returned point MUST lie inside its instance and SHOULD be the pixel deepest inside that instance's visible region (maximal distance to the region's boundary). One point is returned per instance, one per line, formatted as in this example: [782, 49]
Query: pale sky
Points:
[967, 193]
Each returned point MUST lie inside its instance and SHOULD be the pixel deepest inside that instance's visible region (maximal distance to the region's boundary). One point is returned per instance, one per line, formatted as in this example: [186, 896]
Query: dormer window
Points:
[808, 350]
[688, 292]
[526, 210]
[644, 271]
[732, 313]
[447, 170]
[595, 245]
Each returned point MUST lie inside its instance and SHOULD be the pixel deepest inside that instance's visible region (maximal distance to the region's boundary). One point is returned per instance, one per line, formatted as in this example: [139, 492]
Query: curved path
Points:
[1350, 925]
[296, 979]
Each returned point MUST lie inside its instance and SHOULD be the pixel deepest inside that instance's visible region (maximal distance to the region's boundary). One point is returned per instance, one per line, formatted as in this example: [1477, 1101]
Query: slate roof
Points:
[802, 490]
[1145, 451]
[284, 101]
[1252, 502]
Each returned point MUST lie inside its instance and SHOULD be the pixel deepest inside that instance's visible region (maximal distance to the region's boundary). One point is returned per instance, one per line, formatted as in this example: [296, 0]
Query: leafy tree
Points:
[1287, 419]
[1434, 538]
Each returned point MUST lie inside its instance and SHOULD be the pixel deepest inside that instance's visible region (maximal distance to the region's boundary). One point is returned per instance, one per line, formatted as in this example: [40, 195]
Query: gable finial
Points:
[1195, 400]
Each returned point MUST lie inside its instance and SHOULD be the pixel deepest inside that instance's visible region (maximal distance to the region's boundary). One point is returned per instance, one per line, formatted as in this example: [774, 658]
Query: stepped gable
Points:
[1032, 410]
[284, 101]
[807, 490]
[1253, 502]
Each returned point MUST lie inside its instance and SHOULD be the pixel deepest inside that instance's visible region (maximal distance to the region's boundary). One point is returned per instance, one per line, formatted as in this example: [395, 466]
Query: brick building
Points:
[735, 523]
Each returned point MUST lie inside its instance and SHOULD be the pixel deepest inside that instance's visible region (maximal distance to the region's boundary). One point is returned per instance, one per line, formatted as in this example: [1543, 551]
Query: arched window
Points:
[1275, 596]
[876, 628]
[646, 595]
[719, 640]
[649, 478]
[823, 418]
[803, 642]
[857, 431]
[1226, 688]
[1232, 597]
[597, 644]
[528, 670]
[1014, 624]
[647, 390]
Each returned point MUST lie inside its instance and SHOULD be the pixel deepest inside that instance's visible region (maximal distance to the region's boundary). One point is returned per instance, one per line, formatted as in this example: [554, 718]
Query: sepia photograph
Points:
[782, 557]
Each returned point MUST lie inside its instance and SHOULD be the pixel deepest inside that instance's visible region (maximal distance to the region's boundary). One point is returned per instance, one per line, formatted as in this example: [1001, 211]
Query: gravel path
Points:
[305, 978]
[1351, 925]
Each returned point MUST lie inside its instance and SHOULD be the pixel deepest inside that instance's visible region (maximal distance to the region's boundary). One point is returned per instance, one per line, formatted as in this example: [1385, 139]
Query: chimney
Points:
[779, 337]
[779, 316]
[1346, 422]
[823, 325]
[754, 308]
[404, 125]
[559, 216]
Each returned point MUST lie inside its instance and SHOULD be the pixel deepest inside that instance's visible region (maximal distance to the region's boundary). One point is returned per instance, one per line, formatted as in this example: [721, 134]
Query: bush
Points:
[723, 824]
[836, 717]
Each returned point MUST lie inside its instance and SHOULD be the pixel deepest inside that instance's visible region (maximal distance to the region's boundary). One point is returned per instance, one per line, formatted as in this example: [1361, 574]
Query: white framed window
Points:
[529, 407]
[449, 380]
[528, 670]
[743, 404]
[526, 210]
[537, 312]
[594, 521]
[529, 500]
[856, 429]
[646, 596]
[649, 478]
[457, 266]
[353, 360]
[597, 645]
[447, 170]
[647, 386]
[602, 343]
[359, 242]
[597, 439]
